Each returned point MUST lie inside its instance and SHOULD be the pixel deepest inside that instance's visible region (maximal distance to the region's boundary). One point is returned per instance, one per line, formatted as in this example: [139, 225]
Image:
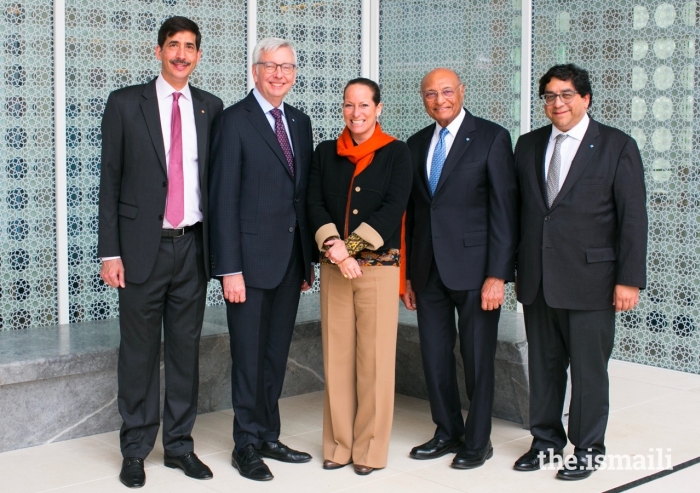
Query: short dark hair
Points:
[177, 24]
[570, 72]
[374, 87]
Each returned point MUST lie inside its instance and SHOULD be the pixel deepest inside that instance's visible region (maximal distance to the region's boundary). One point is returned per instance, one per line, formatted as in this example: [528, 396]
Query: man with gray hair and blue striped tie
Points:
[461, 229]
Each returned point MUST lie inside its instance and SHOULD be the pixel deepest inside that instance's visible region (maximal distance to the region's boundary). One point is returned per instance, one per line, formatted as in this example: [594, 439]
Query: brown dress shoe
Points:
[363, 470]
[329, 465]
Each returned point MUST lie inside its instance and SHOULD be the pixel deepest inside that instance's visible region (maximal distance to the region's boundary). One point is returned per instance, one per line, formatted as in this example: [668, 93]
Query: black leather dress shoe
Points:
[434, 448]
[582, 469]
[469, 459]
[531, 460]
[250, 465]
[279, 451]
[132, 474]
[190, 463]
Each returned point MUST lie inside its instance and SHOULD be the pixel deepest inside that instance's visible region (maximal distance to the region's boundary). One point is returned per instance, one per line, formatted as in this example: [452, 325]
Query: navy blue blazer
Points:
[470, 225]
[255, 204]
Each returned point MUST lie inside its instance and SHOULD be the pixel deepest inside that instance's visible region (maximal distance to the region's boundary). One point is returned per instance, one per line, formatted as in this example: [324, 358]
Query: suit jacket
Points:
[470, 225]
[133, 181]
[255, 202]
[595, 234]
[377, 199]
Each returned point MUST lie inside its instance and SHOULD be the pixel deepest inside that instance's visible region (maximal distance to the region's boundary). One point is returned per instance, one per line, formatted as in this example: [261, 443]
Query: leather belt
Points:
[177, 232]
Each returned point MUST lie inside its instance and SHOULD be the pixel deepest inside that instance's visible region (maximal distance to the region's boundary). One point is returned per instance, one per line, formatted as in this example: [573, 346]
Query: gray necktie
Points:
[554, 169]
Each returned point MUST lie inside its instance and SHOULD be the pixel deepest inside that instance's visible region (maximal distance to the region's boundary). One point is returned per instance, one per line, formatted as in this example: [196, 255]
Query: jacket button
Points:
[355, 211]
[165, 184]
[546, 218]
[296, 201]
[432, 207]
[291, 230]
[357, 189]
[160, 217]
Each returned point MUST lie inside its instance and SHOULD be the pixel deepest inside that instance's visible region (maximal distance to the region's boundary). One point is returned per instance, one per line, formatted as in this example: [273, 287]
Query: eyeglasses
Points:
[566, 97]
[271, 67]
[447, 93]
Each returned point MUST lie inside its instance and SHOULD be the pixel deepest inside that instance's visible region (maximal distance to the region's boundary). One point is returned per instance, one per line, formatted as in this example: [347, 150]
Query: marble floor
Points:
[651, 408]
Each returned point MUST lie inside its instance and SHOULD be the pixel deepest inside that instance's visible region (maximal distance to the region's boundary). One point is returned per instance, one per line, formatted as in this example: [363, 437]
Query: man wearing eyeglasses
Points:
[460, 236]
[261, 247]
[581, 258]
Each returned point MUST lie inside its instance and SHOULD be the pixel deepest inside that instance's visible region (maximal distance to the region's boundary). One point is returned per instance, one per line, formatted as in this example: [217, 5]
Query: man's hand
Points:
[337, 252]
[625, 297]
[409, 297]
[306, 285]
[234, 288]
[112, 273]
[492, 293]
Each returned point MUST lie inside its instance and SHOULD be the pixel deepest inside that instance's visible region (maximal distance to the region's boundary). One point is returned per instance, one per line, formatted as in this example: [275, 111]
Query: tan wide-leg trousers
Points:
[359, 320]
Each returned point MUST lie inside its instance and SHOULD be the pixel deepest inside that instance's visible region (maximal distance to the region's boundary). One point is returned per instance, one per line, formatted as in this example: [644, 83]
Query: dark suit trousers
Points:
[261, 331]
[557, 338]
[478, 334]
[172, 299]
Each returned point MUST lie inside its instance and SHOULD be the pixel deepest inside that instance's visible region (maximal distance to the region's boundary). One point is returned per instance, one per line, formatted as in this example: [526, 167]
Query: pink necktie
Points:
[175, 210]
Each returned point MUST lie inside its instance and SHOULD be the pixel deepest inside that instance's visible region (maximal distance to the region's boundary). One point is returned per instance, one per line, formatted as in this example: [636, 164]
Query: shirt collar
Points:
[454, 125]
[577, 132]
[164, 90]
[264, 103]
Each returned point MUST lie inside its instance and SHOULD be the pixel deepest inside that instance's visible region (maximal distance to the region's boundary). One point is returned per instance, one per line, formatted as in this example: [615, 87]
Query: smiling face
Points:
[275, 86]
[360, 112]
[441, 109]
[565, 116]
[179, 56]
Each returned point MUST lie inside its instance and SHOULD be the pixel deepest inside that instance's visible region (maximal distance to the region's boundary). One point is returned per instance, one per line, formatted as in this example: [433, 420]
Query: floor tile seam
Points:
[613, 411]
[58, 488]
[371, 479]
[654, 384]
[658, 369]
[442, 485]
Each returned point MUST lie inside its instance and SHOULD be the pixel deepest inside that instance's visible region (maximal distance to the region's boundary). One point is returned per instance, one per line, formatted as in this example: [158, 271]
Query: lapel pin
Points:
[202, 111]
[293, 120]
[591, 146]
[467, 139]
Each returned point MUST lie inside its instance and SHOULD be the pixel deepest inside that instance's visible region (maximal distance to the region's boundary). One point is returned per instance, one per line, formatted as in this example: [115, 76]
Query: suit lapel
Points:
[460, 145]
[294, 137]
[262, 125]
[583, 156]
[200, 122]
[540, 155]
[151, 113]
[423, 152]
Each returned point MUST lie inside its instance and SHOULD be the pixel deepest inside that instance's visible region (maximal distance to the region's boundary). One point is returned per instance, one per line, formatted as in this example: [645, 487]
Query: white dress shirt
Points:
[190, 158]
[568, 148]
[267, 107]
[449, 138]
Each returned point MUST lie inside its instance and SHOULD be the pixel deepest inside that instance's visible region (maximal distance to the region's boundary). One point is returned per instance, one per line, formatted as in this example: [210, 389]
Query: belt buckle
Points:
[181, 231]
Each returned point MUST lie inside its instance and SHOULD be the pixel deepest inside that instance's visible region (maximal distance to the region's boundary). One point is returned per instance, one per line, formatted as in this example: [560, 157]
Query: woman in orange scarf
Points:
[358, 191]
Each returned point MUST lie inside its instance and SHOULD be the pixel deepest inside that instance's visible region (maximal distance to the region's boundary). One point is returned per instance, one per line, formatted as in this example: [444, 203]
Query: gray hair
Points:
[272, 44]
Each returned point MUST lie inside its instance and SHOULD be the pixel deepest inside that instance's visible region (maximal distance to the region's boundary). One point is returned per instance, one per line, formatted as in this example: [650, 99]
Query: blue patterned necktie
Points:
[439, 156]
[282, 138]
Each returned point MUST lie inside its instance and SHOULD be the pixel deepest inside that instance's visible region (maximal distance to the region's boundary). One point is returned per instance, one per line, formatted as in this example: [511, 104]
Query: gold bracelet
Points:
[344, 260]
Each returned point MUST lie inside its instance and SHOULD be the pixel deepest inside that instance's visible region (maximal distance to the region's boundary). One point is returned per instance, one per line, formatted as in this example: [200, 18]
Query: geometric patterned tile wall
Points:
[326, 35]
[643, 60]
[110, 44]
[27, 205]
[480, 41]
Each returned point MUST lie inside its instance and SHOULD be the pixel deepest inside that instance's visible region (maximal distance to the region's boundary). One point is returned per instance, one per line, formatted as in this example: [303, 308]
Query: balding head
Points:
[440, 108]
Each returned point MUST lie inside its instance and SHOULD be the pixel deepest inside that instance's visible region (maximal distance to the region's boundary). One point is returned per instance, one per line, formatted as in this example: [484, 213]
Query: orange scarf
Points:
[361, 155]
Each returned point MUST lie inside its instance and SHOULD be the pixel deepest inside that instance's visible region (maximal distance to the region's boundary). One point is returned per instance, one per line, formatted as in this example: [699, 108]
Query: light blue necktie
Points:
[439, 156]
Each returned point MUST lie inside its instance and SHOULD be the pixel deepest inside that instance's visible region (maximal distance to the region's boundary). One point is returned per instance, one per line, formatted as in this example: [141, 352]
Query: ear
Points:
[380, 106]
[158, 53]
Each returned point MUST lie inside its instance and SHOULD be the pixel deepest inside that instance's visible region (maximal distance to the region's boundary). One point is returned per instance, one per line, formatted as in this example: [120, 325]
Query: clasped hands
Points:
[338, 254]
